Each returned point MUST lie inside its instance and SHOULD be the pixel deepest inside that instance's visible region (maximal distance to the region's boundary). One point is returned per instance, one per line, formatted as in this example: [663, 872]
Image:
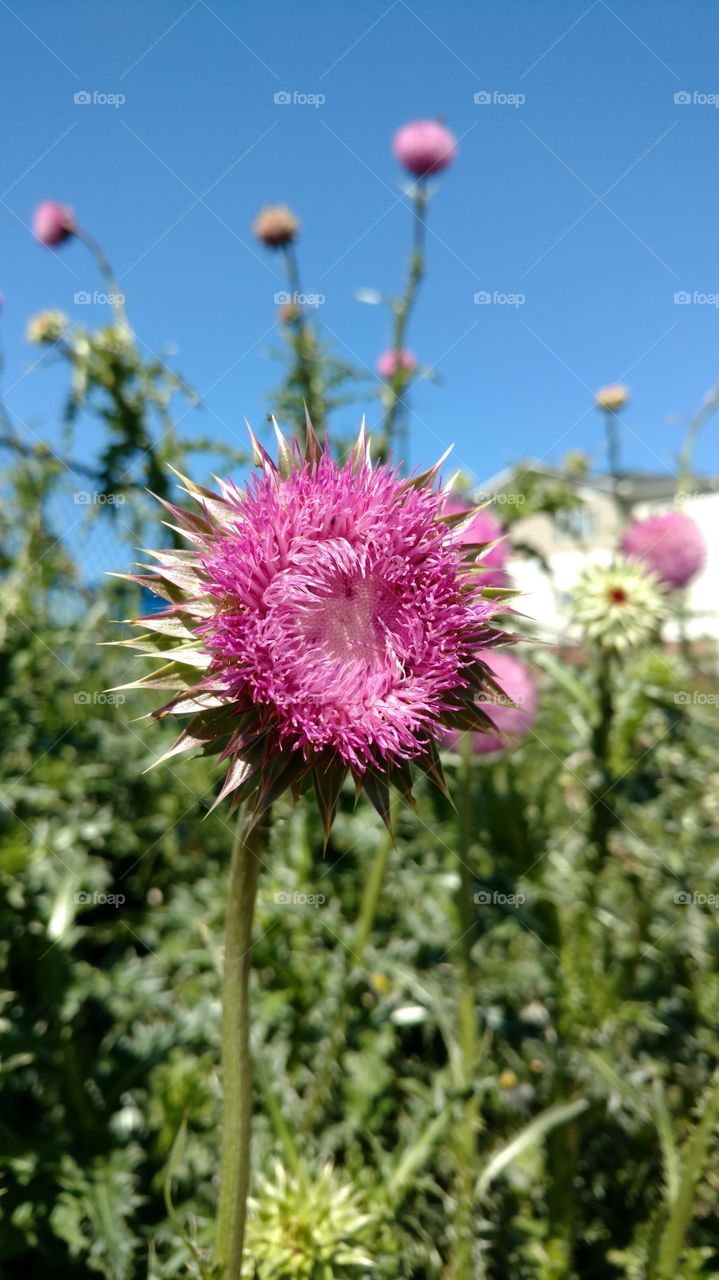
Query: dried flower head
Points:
[46, 327]
[612, 398]
[618, 606]
[289, 313]
[307, 1225]
[328, 618]
[671, 545]
[276, 226]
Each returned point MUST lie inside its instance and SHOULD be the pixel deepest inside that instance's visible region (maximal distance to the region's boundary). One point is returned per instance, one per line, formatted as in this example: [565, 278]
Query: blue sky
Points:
[596, 199]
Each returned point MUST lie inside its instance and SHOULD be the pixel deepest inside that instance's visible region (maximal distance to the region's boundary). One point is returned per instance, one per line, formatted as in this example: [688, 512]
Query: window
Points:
[575, 524]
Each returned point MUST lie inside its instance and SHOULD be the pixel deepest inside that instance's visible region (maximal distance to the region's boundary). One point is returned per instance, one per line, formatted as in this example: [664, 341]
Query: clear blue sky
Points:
[596, 199]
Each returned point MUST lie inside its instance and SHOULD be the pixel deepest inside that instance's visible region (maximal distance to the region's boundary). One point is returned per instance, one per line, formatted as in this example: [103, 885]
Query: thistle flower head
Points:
[618, 606]
[308, 1225]
[424, 147]
[670, 545]
[52, 223]
[612, 398]
[390, 361]
[46, 326]
[327, 618]
[276, 226]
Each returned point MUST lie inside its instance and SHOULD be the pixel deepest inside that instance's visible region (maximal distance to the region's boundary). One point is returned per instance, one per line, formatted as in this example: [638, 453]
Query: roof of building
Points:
[639, 486]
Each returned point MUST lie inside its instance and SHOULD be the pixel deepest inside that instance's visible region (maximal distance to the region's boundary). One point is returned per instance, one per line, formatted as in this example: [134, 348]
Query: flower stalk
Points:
[469, 1046]
[308, 372]
[104, 267]
[236, 1058]
[403, 308]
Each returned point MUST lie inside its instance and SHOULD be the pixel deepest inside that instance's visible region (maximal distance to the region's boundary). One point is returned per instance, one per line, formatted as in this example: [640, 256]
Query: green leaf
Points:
[534, 1132]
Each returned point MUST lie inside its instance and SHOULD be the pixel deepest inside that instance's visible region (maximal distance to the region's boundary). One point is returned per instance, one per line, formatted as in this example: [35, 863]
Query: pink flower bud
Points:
[390, 361]
[424, 147]
[52, 223]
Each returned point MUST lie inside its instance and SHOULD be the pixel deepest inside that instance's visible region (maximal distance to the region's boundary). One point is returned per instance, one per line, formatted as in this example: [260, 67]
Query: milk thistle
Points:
[328, 619]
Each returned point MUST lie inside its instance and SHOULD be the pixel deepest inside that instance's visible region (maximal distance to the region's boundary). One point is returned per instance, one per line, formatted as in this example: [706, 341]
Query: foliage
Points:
[529, 1031]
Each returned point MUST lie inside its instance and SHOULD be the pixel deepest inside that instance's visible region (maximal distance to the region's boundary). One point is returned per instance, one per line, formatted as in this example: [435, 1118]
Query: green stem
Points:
[103, 265]
[465, 1145]
[307, 372]
[613, 462]
[236, 1062]
[685, 470]
[402, 312]
[602, 817]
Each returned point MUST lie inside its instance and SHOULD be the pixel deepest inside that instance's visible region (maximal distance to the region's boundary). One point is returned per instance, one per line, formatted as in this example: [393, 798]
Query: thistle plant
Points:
[618, 606]
[308, 1227]
[328, 620]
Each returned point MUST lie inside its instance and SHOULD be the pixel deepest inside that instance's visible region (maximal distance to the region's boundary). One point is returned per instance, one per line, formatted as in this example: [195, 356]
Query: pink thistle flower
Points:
[670, 545]
[327, 618]
[53, 223]
[424, 147]
[484, 528]
[516, 683]
[390, 361]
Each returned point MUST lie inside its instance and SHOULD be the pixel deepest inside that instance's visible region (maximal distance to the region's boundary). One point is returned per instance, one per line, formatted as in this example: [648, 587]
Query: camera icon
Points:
[682, 98]
[682, 698]
[482, 98]
[83, 698]
[483, 898]
[82, 499]
[682, 297]
[683, 899]
[283, 898]
[282, 98]
[83, 897]
[82, 298]
[482, 298]
[82, 98]
[282, 298]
